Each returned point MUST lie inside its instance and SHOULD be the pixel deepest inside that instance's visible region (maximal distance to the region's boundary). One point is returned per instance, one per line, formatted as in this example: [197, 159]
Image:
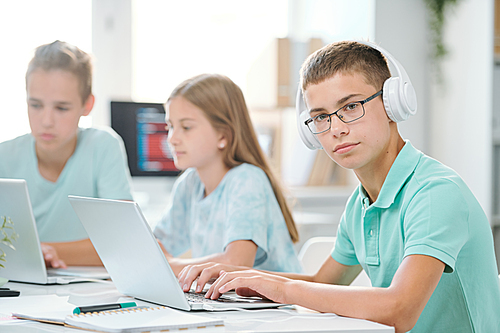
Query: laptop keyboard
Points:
[199, 298]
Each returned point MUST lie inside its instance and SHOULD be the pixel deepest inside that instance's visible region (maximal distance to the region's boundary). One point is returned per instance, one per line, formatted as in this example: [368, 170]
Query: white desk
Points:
[235, 321]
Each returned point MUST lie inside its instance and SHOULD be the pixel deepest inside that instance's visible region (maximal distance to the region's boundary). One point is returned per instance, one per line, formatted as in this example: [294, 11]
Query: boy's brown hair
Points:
[63, 56]
[347, 57]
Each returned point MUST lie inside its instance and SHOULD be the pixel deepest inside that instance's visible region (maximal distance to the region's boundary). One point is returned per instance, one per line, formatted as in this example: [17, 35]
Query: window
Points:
[25, 25]
[175, 40]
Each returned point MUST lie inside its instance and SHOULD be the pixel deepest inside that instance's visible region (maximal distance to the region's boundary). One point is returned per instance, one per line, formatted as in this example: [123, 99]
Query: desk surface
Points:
[79, 294]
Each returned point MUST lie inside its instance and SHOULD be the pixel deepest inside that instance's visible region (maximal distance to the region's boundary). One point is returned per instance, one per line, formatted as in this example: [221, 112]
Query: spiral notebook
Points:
[132, 320]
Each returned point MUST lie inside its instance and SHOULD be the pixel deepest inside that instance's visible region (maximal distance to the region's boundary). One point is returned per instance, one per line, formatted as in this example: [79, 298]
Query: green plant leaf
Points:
[8, 236]
[437, 17]
[3, 281]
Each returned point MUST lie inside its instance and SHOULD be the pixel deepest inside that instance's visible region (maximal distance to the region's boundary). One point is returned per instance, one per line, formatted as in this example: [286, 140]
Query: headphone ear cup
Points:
[305, 134]
[389, 96]
[400, 100]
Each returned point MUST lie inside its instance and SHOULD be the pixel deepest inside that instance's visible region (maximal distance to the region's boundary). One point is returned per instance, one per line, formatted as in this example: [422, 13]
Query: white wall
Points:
[112, 49]
[453, 123]
[461, 112]
[400, 28]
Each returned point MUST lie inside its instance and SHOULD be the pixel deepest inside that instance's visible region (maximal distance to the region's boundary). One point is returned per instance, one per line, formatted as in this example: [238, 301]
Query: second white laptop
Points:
[26, 263]
[134, 260]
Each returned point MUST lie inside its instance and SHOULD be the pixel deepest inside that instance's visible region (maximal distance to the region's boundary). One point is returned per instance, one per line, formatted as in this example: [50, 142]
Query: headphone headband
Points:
[400, 100]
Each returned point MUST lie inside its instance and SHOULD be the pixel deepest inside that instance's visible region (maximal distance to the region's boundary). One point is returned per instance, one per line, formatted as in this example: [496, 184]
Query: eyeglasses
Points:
[347, 114]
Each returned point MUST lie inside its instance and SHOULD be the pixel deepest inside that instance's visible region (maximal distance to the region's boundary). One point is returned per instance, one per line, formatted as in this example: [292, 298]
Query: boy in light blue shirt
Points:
[412, 224]
[452, 228]
[58, 158]
[97, 169]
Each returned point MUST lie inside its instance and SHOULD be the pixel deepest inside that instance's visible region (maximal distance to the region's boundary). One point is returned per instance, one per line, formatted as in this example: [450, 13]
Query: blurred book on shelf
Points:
[326, 172]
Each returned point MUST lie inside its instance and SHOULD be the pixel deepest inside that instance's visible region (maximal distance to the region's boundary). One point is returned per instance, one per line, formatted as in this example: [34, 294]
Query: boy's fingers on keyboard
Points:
[192, 272]
[210, 291]
[209, 274]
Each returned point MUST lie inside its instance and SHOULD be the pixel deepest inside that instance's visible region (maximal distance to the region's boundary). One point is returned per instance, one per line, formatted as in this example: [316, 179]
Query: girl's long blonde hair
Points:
[224, 105]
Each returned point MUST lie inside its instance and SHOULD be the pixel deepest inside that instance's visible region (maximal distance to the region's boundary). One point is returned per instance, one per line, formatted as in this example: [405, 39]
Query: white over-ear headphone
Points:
[398, 94]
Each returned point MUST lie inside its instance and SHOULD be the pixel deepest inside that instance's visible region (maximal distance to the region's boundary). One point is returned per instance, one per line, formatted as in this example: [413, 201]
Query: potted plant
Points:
[7, 236]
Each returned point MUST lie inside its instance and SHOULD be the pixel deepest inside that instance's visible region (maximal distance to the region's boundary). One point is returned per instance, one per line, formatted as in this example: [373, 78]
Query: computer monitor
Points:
[142, 127]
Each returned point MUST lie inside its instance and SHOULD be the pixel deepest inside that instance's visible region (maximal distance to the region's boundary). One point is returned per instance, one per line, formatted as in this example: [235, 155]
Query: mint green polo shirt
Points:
[98, 168]
[425, 208]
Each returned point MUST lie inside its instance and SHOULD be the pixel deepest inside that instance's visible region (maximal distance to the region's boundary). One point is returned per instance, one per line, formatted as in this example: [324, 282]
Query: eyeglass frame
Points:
[308, 121]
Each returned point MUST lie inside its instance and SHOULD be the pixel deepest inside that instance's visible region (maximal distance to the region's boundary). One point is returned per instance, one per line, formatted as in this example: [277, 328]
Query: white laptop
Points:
[25, 263]
[134, 260]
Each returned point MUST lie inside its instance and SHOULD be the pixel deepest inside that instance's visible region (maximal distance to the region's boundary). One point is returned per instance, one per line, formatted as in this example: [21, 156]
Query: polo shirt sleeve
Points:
[436, 222]
[173, 229]
[248, 210]
[113, 180]
[17, 158]
[344, 252]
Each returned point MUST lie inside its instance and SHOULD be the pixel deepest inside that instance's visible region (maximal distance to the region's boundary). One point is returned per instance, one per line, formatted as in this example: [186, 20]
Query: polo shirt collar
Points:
[403, 166]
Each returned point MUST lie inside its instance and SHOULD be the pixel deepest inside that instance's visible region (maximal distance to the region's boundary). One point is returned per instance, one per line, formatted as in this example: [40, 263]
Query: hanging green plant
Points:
[437, 16]
[7, 236]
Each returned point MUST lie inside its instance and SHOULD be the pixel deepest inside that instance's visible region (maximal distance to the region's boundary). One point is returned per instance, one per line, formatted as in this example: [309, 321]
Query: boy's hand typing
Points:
[51, 258]
[204, 273]
[250, 283]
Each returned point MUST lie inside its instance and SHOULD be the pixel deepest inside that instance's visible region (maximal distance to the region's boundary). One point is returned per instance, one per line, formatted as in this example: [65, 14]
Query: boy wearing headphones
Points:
[412, 224]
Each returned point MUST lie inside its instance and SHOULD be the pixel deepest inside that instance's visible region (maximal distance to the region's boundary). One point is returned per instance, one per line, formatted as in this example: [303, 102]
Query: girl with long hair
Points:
[227, 206]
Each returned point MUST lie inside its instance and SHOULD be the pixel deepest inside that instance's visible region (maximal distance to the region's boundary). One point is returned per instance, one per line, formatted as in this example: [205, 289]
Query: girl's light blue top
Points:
[242, 207]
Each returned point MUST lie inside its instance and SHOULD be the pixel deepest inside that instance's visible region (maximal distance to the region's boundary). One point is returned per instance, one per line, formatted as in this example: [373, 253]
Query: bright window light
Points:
[175, 40]
[26, 24]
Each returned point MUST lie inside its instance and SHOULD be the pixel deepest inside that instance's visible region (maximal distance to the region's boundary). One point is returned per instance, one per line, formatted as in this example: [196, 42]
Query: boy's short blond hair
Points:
[347, 57]
[63, 56]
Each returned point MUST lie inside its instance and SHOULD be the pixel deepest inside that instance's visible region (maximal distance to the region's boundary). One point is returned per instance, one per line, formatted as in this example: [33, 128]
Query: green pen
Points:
[103, 307]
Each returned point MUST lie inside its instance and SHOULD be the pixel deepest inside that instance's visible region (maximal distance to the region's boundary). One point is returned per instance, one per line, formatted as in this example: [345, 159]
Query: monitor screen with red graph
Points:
[142, 127]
